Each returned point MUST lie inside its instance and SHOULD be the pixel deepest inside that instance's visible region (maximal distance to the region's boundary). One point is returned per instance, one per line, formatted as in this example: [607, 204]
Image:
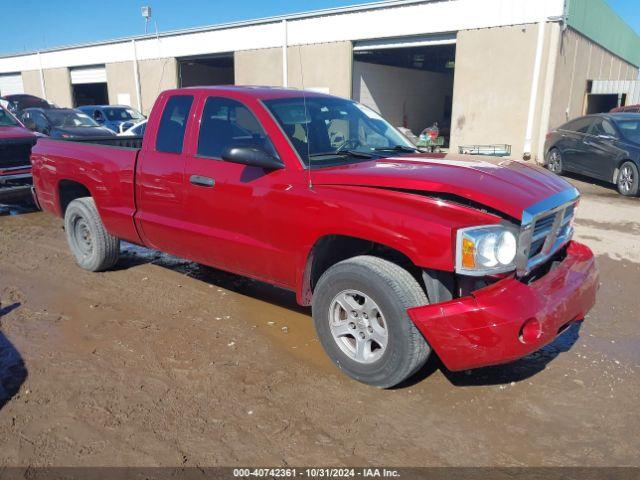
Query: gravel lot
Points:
[164, 362]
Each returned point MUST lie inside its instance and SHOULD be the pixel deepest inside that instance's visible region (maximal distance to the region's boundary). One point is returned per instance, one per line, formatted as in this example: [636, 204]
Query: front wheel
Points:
[360, 314]
[554, 161]
[628, 180]
[92, 246]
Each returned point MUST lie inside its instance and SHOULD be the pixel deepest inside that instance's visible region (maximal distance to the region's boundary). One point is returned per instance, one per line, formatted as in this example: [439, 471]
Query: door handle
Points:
[202, 181]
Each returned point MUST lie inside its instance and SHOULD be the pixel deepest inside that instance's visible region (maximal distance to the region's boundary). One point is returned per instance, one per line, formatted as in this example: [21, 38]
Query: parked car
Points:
[17, 103]
[399, 253]
[63, 123]
[15, 166]
[136, 131]
[117, 118]
[604, 146]
[627, 108]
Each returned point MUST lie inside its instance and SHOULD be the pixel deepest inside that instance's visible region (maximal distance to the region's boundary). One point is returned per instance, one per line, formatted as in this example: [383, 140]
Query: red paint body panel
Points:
[483, 329]
[264, 224]
[107, 172]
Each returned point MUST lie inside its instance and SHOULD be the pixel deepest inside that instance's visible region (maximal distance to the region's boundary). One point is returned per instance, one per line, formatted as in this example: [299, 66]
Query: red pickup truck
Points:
[400, 253]
[15, 168]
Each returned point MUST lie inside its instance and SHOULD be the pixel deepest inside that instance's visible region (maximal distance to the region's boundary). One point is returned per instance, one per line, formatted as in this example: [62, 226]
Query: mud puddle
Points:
[269, 310]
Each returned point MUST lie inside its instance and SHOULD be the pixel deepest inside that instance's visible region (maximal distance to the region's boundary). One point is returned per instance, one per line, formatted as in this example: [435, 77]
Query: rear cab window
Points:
[173, 124]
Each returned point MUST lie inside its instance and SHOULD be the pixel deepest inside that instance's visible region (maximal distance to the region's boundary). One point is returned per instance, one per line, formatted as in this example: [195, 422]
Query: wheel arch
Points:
[619, 163]
[330, 249]
[68, 191]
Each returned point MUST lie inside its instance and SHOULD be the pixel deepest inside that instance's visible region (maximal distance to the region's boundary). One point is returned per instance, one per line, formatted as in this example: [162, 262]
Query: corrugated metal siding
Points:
[608, 87]
[596, 20]
[88, 75]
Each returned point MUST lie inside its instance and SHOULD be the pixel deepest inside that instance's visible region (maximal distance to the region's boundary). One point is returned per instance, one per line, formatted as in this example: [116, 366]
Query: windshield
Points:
[6, 120]
[69, 118]
[122, 114]
[335, 131]
[630, 129]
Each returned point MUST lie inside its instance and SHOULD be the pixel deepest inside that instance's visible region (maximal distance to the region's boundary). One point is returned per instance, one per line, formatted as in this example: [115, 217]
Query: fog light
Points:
[531, 331]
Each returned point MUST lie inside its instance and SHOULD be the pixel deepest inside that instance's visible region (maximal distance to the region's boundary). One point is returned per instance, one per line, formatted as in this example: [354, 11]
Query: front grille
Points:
[16, 155]
[546, 227]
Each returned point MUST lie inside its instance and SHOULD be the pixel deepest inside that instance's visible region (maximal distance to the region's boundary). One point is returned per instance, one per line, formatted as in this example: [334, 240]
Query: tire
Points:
[554, 161]
[389, 291]
[628, 180]
[93, 248]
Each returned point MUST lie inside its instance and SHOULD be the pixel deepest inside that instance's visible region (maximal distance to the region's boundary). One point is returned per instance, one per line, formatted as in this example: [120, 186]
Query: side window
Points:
[602, 127]
[578, 125]
[40, 121]
[228, 123]
[173, 124]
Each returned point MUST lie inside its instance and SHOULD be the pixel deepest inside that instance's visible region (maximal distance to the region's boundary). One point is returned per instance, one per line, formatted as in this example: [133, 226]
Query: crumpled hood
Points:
[507, 186]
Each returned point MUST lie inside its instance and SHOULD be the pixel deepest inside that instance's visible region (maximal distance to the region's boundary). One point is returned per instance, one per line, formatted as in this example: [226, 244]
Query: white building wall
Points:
[367, 22]
[402, 95]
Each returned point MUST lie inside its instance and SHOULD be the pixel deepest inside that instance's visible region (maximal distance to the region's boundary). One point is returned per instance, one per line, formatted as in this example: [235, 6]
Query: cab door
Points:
[602, 151]
[160, 177]
[227, 205]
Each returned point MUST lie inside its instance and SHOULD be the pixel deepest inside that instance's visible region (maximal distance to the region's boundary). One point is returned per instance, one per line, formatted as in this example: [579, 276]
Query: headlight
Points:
[486, 250]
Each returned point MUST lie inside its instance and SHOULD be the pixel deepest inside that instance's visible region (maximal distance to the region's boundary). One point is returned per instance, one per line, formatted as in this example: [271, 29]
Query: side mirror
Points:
[30, 124]
[253, 157]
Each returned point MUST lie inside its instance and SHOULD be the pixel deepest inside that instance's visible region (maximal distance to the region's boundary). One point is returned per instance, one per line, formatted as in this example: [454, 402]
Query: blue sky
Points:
[38, 24]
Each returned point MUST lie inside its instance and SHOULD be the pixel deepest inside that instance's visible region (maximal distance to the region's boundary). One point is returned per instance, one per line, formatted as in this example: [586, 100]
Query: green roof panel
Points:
[596, 20]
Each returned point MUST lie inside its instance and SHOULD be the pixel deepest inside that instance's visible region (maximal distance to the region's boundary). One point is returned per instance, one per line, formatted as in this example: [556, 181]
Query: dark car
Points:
[63, 123]
[21, 101]
[604, 146]
[117, 118]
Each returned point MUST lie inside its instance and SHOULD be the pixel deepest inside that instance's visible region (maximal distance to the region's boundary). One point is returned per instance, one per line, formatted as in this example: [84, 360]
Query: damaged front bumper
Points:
[510, 319]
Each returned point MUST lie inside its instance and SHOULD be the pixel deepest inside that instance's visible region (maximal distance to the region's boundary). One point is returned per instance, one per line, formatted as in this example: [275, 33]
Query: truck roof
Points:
[257, 91]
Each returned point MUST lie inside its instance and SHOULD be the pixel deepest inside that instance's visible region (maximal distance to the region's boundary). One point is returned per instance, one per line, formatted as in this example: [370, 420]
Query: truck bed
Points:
[105, 165]
[134, 142]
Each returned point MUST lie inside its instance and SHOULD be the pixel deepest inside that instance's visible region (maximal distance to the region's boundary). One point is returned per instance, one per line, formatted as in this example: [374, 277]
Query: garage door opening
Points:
[89, 86]
[602, 103]
[409, 82]
[209, 70]
[90, 94]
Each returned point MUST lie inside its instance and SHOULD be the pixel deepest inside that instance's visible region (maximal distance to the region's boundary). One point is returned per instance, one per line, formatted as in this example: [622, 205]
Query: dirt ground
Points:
[163, 362]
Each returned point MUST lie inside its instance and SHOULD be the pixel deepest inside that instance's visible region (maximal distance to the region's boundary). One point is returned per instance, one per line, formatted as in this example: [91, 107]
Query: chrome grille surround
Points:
[546, 227]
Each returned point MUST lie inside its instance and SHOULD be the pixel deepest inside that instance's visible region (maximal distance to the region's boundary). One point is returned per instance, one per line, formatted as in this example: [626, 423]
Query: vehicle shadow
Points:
[13, 371]
[133, 255]
[17, 208]
[517, 371]
[609, 190]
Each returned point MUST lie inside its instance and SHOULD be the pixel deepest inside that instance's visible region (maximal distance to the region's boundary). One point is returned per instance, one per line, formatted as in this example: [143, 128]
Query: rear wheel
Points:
[360, 314]
[92, 246]
[628, 180]
[554, 161]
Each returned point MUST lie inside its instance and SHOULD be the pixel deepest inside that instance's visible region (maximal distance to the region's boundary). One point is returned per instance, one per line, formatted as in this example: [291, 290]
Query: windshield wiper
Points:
[396, 148]
[345, 153]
